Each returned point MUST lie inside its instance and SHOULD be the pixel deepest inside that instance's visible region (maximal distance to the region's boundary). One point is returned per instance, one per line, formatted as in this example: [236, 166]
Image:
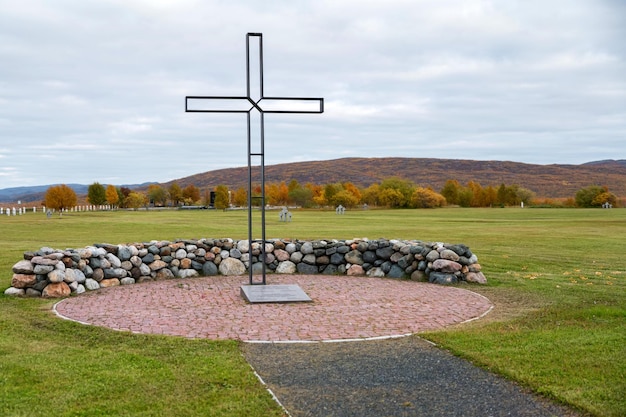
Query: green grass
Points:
[556, 276]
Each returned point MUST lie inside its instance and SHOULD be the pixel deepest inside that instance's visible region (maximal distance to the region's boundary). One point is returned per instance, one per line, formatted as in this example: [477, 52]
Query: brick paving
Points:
[343, 308]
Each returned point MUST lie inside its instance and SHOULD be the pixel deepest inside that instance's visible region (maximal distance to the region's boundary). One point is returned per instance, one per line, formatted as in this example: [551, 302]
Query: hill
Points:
[550, 181]
[547, 181]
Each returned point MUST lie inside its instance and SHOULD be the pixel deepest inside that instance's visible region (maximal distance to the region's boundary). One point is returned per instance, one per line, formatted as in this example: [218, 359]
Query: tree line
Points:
[393, 192]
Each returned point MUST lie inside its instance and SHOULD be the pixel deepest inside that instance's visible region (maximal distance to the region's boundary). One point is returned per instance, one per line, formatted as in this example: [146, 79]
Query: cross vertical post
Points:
[255, 99]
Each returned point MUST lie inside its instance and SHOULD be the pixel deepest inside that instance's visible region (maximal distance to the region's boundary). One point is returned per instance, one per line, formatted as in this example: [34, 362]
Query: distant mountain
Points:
[36, 193]
[550, 181]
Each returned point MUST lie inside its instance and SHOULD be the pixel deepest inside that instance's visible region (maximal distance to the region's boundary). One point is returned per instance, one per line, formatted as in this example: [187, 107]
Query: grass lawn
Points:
[557, 277]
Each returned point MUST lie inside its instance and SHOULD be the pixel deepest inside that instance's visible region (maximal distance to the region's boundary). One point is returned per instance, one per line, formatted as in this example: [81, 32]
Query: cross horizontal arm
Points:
[218, 104]
[291, 105]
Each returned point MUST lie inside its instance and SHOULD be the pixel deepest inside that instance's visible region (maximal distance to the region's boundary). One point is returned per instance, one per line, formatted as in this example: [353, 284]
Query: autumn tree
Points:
[175, 193]
[191, 194]
[451, 191]
[370, 194]
[594, 196]
[96, 194]
[221, 197]
[391, 197]
[427, 198]
[277, 194]
[329, 192]
[157, 195]
[240, 197]
[605, 197]
[524, 195]
[396, 192]
[344, 198]
[318, 193]
[490, 196]
[111, 195]
[136, 199]
[60, 197]
[123, 193]
[354, 190]
[477, 199]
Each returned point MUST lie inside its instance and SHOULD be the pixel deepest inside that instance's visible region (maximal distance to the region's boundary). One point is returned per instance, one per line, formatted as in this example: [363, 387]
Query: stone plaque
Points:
[274, 294]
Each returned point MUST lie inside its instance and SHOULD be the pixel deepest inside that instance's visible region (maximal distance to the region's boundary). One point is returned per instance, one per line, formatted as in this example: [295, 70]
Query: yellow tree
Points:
[176, 193]
[60, 197]
[240, 197]
[112, 195]
[427, 198]
[157, 194]
[371, 194]
[477, 194]
[136, 200]
[221, 197]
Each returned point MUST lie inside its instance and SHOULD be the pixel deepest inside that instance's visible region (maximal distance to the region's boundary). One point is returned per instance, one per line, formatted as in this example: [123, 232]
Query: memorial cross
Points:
[254, 99]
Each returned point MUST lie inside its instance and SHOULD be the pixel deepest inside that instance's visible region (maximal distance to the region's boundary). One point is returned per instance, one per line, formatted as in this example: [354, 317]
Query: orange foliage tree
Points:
[60, 197]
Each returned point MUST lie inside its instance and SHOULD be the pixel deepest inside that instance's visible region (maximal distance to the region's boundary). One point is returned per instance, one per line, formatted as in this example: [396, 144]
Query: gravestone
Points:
[255, 105]
[284, 215]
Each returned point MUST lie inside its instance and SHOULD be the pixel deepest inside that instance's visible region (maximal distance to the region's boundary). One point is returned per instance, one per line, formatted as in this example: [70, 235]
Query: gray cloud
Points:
[94, 91]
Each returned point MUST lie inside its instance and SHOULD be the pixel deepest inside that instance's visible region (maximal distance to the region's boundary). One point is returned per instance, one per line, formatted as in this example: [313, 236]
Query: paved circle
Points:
[343, 308]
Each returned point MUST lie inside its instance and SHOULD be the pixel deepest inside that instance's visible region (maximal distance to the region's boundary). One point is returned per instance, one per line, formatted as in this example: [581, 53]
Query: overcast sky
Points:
[95, 90]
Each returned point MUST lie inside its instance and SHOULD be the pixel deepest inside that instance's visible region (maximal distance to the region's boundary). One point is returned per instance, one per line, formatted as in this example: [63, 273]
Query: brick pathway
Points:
[342, 308]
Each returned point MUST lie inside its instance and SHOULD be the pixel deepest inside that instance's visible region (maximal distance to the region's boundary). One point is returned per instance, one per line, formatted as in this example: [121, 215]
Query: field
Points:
[556, 276]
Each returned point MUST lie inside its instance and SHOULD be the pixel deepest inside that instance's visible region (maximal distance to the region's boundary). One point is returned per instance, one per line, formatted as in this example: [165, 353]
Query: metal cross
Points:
[255, 99]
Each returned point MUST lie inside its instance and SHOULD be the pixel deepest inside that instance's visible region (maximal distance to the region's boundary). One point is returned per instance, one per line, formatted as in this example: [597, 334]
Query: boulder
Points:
[164, 273]
[309, 259]
[355, 270]
[354, 257]
[114, 260]
[232, 266]
[110, 282]
[24, 267]
[286, 267]
[476, 277]
[156, 265]
[91, 284]
[291, 248]
[14, 291]
[419, 276]
[442, 278]
[187, 273]
[375, 272]
[56, 276]
[307, 248]
[209, 269]
[56, 290]
[70, 276]
[306, 268]
[432, 256]
[23, 280]
[395, 272]
[385, 252]
[281, 255]
[445, 265]
[449, 255]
